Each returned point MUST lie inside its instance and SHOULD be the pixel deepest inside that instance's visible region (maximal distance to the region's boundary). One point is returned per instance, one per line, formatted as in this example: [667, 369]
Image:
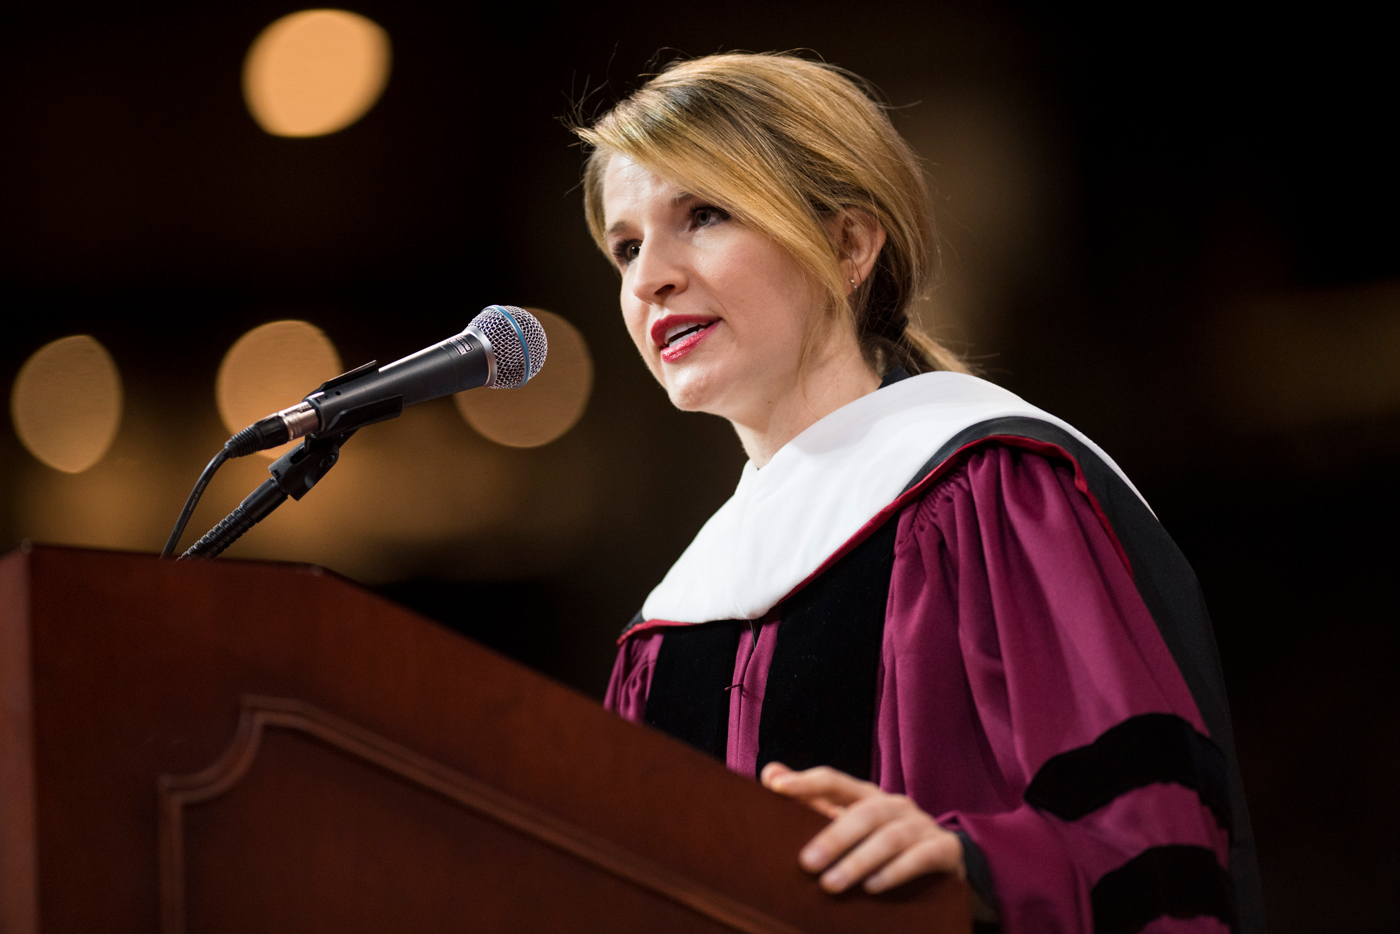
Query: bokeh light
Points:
[269, 368]
[315, 72]
[401, 490]
[545, 407]
[66, 403]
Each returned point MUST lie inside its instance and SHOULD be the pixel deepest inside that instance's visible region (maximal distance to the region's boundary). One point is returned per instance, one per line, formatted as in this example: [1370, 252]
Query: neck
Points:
[835, 378]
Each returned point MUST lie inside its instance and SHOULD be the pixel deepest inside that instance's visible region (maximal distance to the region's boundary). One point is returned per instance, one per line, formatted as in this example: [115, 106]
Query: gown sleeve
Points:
[630, 683]
[1027, 700]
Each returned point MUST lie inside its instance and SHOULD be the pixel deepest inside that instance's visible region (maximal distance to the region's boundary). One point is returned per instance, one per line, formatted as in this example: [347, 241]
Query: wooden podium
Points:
[248, 747]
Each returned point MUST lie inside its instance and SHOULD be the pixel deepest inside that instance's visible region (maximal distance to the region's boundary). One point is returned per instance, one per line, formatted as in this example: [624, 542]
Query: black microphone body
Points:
[372, 394]
[503, 347]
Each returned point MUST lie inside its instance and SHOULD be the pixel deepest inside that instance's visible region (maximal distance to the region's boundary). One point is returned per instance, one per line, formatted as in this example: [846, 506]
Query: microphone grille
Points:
[518, 341]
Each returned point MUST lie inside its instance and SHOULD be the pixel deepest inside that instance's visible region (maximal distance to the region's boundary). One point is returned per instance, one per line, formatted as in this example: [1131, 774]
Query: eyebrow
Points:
[677, 199]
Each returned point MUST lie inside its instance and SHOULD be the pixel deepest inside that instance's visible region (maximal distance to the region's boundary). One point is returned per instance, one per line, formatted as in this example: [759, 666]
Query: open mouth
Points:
[681, 333]
[678, 336]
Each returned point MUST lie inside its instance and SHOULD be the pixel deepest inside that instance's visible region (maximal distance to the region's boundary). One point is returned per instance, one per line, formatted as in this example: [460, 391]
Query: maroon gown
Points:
[1019, 689]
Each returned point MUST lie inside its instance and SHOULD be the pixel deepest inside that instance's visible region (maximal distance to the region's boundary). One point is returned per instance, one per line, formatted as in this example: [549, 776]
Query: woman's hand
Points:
[881, 839]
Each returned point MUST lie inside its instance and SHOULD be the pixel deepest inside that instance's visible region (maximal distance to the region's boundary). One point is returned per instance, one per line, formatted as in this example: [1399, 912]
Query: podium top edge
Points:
[29, 547]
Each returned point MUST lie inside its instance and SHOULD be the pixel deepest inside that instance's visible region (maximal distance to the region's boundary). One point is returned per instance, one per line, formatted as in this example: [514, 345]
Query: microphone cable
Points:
[193, 501]
[503, 347]
[262, 434]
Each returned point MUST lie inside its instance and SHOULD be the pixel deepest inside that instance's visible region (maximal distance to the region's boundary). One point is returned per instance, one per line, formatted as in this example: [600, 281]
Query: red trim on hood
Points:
[1044, 448]
[648, 625]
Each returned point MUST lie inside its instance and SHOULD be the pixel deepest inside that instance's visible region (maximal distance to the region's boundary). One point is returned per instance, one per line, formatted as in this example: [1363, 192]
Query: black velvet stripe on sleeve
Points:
[1179, 881]
[1168, 587]
[819, 705]
[979, 871]
[689, 697]
[1140, 751]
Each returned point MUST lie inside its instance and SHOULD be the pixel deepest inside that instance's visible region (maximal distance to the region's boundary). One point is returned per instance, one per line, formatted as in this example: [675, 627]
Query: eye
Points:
[707, 215]
[626, 251]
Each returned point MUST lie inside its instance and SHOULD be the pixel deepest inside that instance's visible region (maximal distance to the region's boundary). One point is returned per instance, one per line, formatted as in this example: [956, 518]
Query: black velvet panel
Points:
[689, 697]
[819, 702]
[1140, 751]
[1180, 881]
[979, 871]
[1168, 586]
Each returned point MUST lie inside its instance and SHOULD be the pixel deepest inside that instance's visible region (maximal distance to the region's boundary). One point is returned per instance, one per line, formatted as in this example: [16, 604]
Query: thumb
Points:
[772, 773]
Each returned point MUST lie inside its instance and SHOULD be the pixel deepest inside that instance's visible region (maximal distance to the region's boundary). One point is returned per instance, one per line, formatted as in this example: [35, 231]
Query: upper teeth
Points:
[675, 331]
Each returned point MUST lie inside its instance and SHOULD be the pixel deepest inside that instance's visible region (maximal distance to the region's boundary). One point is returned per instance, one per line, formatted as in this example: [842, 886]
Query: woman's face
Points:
[717, 309]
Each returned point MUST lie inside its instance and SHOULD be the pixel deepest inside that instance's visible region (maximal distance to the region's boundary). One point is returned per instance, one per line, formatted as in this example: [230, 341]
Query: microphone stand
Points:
[293, 474]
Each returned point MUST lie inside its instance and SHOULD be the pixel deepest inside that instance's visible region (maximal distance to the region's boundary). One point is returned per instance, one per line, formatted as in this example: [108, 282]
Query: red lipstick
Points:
[678, 335]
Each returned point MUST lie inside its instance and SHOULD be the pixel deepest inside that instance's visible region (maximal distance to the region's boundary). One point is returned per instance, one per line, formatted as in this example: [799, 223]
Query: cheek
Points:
[770, 296]
[634, 318]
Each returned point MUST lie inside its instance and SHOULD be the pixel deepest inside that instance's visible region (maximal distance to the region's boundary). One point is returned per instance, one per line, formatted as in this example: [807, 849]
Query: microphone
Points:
[502, 348]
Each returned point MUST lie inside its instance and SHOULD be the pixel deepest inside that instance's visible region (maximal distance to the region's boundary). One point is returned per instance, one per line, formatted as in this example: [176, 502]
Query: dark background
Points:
[1175, 230]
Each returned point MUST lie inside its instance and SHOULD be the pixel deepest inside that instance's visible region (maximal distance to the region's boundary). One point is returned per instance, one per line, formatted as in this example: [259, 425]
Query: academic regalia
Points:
[959, 597]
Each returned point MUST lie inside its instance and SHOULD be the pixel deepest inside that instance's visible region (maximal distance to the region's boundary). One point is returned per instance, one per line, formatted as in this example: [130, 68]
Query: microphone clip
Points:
[301, 468]
[293, 475]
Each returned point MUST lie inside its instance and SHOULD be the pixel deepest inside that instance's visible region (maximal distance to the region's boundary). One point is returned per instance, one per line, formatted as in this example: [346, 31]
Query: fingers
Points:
[881, 838]
[771, 771]
[939, 852]
[836, 787]
[858, 822]
[824, 807]
[775, 777]
[887, 841]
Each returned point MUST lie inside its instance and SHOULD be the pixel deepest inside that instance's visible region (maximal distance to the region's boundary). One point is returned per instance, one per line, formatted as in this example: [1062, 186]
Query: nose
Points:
[658, 272]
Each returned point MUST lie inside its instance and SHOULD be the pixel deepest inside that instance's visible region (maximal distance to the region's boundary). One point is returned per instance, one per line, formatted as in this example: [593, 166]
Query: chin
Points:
[688, 400]
[694, 392]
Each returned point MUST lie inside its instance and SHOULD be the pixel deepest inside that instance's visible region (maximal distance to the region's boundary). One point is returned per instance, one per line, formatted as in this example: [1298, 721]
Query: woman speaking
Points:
[938, 615]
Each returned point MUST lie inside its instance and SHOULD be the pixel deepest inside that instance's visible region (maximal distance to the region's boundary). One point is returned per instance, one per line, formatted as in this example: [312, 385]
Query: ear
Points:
[858, 237]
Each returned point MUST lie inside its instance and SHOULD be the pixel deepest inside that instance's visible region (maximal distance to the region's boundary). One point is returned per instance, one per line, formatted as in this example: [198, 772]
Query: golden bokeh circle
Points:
[273, 366]
[547, 406]
[315, 72]
[66, 403]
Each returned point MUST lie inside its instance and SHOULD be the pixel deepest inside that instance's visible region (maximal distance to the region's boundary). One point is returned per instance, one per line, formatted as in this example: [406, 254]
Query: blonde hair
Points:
[783, 144]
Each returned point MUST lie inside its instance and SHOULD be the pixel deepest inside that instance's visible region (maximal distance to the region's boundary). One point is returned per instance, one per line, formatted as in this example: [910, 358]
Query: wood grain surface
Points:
[333, 762]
